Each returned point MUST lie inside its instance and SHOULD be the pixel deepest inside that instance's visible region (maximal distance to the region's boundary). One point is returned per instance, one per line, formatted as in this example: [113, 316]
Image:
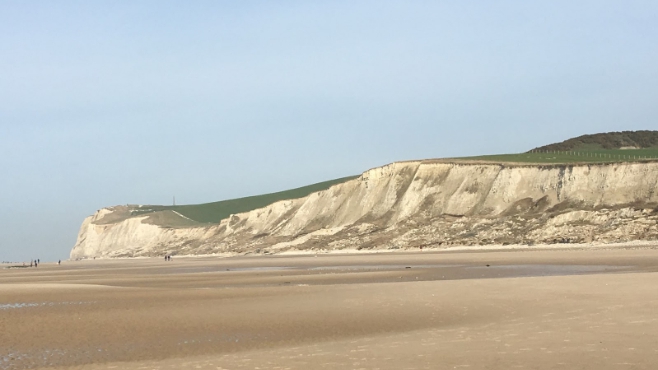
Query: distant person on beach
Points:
[59, 262]
[31, 263]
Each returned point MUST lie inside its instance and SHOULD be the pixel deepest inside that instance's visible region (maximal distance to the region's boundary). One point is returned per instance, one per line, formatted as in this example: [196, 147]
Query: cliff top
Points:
[602, 148]
[608, 147]
[199, 214]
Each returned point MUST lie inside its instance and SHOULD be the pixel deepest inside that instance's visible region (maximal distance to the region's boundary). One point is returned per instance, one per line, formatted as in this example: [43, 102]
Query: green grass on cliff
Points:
[217, 211]
[579, 156]
[625, 146]
[608, 141]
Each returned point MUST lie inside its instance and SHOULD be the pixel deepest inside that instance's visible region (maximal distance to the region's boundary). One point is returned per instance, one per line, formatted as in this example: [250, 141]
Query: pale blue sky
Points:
[116, 102]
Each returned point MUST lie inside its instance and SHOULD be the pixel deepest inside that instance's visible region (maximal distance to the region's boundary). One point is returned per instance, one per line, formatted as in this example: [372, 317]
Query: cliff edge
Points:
[405, 205]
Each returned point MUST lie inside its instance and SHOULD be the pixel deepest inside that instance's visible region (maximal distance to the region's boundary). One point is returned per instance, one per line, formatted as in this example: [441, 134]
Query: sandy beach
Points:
[545, 309]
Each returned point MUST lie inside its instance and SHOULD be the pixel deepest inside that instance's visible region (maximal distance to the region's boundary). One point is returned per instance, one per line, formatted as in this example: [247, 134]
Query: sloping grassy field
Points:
[595, 155]
[217, 211]
[597, 148]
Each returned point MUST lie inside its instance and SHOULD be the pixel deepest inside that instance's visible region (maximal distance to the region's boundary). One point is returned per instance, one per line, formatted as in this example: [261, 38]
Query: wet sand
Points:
[562, 309]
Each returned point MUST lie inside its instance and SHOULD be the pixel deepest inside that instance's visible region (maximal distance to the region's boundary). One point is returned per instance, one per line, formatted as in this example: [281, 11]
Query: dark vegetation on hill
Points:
[217, 211]
[610, 140]
[625, 146]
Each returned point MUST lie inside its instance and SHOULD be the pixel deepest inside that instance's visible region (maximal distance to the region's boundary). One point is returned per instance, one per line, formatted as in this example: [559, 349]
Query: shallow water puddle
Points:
[379, 267]
[528, 270]
[18, 305]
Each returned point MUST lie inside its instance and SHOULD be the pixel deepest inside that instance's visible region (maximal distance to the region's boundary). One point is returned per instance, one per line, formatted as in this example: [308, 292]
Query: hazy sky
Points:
[116, 102]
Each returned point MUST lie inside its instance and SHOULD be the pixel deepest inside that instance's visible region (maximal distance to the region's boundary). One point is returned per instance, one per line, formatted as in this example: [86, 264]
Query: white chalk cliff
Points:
[411, 204]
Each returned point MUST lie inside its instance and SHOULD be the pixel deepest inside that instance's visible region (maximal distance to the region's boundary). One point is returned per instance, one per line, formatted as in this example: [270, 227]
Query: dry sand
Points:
[561, 309]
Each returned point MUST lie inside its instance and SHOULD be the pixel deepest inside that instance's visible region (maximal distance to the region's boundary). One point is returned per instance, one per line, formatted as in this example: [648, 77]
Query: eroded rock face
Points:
[410, 204]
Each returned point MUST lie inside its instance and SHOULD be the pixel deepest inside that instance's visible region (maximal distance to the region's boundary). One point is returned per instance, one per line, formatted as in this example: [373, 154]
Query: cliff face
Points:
[410, 204]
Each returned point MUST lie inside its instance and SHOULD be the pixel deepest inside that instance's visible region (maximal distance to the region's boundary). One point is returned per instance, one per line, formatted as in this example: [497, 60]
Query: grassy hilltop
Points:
[217, 211]
[622, 146]
[599, 148]
[607, 141]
